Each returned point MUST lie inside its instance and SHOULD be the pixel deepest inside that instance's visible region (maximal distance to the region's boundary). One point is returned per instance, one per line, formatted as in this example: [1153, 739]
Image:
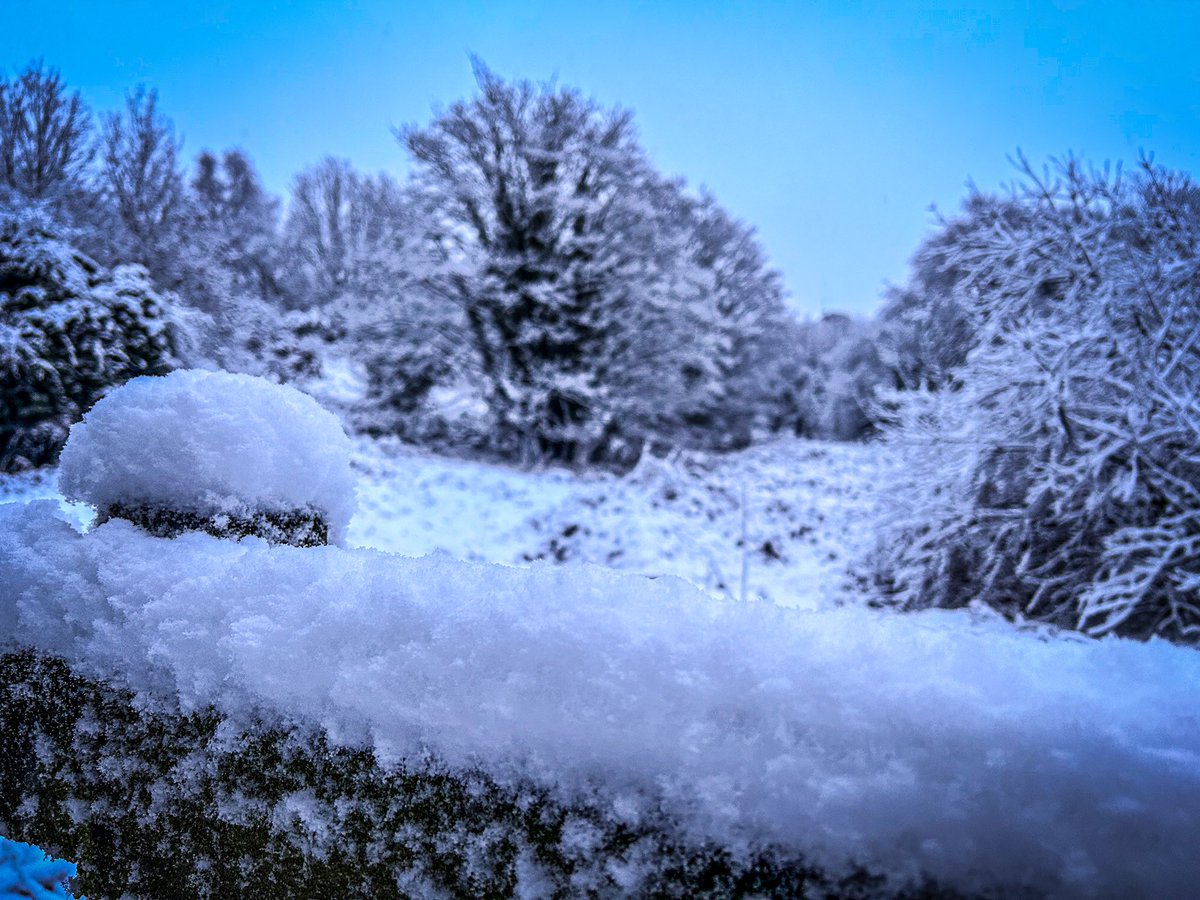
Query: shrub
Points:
[69, 330]
[1056, 476]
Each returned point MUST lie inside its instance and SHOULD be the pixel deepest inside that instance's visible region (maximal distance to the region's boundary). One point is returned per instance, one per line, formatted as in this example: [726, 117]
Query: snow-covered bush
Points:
[69, 330]
[291, 347]
[27, 872]
[1057, 475]
[929, 325]
[213, 451]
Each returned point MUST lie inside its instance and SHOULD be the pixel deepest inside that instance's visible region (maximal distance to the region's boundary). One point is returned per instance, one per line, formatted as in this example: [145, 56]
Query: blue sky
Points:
[831, 127]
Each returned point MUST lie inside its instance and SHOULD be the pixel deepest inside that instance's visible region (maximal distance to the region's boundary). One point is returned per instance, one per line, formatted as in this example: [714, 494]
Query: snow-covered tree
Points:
[345, 233]
[234, 226]
[539, 200]
[603, 304]
[925, 335]
[731, 322]
[233, 266]
[45, 137]
[69, 330]
[142, 181]
[836, 370]
[411, 342]
[356, 255]
[1056, 478]
[930, 324]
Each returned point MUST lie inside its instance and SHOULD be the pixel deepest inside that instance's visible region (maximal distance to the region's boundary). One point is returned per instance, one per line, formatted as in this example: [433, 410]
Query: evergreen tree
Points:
[231, 249]
[69, 329]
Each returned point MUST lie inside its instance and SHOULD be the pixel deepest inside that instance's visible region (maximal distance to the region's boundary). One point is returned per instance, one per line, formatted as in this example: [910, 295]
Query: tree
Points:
[836, 373]
[535, 195]
[346, 233]
[45, 136]
[232, 246]
[142, 180]
[355, 257]
[69, 330]
[748, 312]
[588, 282]
[930, 324]
[1056, 478]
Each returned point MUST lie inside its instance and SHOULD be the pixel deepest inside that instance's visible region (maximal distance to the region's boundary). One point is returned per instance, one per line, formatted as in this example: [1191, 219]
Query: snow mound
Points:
[940, 742]
[211, 443]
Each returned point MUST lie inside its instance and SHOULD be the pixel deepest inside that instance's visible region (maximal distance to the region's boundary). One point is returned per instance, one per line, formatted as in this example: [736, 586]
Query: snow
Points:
[27, 872]
[342, 383]
[939, 742]
[42, 484]
[809, 512]
[211, 443]
[758, 708]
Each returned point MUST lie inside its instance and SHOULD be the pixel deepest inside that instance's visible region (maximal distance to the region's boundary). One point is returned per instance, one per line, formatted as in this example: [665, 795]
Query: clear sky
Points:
[831, 127]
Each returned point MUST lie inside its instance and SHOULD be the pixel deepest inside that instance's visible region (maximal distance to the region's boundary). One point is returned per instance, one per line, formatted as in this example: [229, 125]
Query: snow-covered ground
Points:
[806, 509]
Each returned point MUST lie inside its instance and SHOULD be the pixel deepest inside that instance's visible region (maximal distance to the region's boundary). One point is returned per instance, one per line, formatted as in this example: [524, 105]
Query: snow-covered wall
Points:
[939, 742]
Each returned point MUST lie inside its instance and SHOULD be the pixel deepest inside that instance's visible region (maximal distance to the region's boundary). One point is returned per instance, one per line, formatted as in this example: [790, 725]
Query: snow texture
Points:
[794, 513]
[27, 872]
[943, 742]
[211, 443]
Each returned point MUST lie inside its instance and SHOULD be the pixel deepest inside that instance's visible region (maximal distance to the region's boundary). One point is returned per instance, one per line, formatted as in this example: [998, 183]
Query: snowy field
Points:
[805, 508]
[943, 743]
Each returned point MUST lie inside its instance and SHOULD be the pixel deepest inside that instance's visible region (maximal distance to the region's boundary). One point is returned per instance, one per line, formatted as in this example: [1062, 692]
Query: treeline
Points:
[535, 263]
